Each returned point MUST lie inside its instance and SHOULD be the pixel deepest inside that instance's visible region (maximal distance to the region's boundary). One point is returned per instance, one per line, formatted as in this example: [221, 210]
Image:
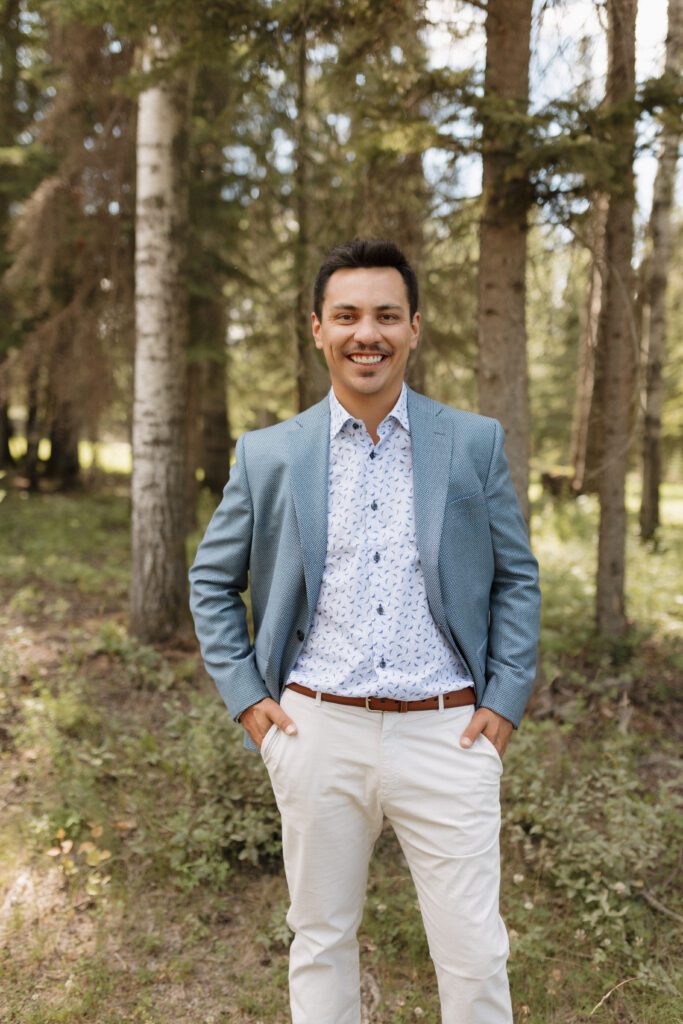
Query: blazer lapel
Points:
[431, 443]
[309, 448]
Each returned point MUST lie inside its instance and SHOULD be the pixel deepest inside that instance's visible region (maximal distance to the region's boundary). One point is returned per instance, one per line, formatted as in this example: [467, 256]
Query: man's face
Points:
[366, 333]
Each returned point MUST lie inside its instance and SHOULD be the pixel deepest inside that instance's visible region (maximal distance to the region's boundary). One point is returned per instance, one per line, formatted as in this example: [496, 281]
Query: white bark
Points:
[158, 588]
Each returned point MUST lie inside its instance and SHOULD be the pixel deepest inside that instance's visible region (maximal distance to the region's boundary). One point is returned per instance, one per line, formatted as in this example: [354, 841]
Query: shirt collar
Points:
[339, 416]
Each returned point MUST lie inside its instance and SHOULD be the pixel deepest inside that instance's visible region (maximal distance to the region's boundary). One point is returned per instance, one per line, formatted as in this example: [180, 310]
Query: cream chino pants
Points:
[334, 782]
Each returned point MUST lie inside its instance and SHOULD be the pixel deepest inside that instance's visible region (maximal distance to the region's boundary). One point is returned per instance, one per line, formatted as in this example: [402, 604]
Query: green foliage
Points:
[53, 543]
[275, 933]
[392, 925]
[227, 813]
[594, 831]
[556, 283]
[133, 780]
[205, 23]
[134, 664]
[207, 804]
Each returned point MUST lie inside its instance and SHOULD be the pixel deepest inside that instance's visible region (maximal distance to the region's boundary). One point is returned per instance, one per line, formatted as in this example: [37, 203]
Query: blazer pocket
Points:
[471, 496]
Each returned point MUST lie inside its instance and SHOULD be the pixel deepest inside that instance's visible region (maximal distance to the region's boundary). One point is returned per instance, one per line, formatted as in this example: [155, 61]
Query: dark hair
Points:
[365, 252]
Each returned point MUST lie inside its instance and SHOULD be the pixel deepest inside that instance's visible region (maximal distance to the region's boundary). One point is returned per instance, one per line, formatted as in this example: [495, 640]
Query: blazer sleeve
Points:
[218, 575]
[515, 599]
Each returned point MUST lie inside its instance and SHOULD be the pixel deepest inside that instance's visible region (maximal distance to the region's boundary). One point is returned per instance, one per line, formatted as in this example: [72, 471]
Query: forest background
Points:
[171, 176]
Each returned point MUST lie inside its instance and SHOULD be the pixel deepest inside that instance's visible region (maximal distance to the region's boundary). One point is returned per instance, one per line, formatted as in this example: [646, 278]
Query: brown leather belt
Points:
[453, 699]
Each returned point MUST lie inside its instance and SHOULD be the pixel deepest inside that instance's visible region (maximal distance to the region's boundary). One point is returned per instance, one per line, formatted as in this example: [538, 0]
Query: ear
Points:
[415, 328]
[316, 328]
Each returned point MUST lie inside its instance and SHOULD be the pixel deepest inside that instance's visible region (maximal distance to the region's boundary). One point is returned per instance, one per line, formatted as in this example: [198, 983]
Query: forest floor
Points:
[140, 875]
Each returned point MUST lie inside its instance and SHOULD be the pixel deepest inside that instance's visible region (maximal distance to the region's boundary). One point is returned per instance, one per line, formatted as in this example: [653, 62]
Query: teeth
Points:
[366, 359]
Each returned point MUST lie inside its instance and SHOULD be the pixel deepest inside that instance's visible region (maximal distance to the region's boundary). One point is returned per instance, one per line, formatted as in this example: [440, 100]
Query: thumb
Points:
[283, 721]
[476, 725]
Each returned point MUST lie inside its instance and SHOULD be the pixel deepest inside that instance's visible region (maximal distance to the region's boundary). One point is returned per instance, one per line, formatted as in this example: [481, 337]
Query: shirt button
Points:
[382, 663]
[356, 426]
[374, 506]
[372, 455]
[376, 556]
[299, 634]
[380, 610]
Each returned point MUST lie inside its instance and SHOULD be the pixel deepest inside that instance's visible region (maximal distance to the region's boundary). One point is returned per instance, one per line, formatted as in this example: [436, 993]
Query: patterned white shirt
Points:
[372, 631]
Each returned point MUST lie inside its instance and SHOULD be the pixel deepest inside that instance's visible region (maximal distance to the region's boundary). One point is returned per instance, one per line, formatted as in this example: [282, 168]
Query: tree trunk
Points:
[390, 197]
[617, 344]
[385, 177]
[29, 463]
[159, 575]
[192, 443]
[208, 313]
[655, 292]
[64, 421]
[503, 375]
[63, 464]
[6, 459]
[10, 40]
[585, 444]
[311, 375]
[215, 442]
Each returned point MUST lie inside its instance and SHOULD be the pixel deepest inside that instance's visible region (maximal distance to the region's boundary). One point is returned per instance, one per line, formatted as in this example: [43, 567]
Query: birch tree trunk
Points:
[660, 231]
[503, 375]
[617, 342]
[159, 577]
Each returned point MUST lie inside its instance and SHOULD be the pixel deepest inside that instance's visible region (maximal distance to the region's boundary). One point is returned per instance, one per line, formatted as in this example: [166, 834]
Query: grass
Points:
[140, 875]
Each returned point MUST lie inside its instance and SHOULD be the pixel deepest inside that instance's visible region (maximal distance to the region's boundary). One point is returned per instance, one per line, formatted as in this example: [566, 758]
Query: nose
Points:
[366, 331]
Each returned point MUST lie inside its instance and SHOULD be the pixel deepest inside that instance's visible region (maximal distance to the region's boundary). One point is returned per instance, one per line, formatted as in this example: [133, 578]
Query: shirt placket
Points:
[376, 490]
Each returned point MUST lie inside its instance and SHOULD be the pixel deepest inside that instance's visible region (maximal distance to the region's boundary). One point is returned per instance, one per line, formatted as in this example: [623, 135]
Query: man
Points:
[395, 604]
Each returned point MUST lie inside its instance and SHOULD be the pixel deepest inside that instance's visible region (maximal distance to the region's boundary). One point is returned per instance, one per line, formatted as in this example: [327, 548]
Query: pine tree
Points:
[503, 374]
[616, 341]
[658, 266]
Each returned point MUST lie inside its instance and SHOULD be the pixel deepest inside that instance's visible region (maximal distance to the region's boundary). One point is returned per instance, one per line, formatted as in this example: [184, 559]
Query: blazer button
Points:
[299, 634]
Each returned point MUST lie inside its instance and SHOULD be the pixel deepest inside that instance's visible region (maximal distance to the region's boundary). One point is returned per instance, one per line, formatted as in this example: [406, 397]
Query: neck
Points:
[370, 408]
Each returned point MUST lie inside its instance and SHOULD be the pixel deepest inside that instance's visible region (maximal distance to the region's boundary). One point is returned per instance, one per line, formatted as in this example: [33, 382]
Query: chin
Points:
[366, 384]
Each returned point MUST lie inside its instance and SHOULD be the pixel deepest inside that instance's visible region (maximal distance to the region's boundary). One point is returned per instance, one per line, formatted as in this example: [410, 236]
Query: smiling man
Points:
[366, 342]
[395, 602]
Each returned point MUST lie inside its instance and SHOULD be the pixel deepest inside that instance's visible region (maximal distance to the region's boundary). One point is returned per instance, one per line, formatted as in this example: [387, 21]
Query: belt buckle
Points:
[377, 711]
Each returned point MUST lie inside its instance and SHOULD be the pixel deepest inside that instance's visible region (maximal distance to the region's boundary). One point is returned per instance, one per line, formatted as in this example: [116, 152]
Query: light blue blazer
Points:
[270, 531]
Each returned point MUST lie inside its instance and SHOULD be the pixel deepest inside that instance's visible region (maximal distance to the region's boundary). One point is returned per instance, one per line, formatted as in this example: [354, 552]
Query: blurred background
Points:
[171, 176]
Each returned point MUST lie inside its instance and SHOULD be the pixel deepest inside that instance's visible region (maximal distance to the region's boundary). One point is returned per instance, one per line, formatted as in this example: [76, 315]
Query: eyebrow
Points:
[348, 305]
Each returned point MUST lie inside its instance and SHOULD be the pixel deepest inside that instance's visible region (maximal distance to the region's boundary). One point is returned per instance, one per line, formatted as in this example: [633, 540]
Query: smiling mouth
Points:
[367, 360]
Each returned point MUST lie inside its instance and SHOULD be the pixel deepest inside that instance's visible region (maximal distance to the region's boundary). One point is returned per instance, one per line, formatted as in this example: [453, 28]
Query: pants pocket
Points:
[267, 739]
[493, 747]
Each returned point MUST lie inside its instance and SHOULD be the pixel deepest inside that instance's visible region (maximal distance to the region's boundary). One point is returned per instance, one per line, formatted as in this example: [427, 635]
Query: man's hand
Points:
[258, 718]
[496, 729]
